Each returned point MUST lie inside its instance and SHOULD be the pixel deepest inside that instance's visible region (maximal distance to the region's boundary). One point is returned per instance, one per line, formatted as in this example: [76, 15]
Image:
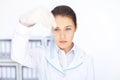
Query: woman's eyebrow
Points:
[56, 27]
[68, 26]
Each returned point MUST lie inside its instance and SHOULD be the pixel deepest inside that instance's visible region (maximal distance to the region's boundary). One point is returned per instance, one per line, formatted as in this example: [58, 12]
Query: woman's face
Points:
[64, 32]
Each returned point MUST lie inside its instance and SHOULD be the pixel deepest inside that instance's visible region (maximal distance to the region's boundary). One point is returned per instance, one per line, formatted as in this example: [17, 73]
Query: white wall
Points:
[98, 29]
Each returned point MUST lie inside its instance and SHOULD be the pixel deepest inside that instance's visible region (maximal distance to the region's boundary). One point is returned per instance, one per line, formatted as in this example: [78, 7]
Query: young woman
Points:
[66, 61]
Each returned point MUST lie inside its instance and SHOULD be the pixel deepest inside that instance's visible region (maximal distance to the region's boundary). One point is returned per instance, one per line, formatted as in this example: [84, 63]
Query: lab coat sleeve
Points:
[19, 49]
[90, 69]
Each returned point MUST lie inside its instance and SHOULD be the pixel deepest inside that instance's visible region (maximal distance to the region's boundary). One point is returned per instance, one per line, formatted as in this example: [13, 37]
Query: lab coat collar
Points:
[77, 61]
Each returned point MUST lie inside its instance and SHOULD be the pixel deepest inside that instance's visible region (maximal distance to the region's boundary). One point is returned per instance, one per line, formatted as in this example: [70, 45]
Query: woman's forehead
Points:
[64, 21]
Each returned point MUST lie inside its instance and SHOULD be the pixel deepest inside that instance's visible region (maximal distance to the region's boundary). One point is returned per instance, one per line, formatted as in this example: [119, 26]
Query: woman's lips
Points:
[62, 41]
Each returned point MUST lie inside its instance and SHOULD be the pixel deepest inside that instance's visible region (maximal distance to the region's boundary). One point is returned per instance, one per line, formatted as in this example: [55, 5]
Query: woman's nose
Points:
[62, 34]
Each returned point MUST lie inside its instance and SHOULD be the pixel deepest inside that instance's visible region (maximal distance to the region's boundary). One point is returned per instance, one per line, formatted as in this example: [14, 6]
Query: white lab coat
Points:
[48, 67]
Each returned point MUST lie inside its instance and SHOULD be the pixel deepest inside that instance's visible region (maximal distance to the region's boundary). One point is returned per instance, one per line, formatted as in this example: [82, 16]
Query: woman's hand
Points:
[38, 16]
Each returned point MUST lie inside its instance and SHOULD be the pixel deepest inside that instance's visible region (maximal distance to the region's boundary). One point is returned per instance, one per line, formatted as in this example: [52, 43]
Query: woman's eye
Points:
[56, 29]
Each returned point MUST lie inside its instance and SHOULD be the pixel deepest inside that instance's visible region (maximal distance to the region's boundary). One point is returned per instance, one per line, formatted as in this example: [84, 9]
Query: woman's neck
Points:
[66, 50]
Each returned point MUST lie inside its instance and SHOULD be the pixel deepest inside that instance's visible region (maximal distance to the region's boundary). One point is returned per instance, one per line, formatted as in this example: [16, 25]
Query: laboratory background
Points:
[98, 34]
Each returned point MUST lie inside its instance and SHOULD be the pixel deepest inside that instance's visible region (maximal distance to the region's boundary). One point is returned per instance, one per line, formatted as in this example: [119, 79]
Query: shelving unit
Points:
[10, 70]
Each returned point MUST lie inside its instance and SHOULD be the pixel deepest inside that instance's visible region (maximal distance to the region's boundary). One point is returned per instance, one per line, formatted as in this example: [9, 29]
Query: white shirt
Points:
[65, 58]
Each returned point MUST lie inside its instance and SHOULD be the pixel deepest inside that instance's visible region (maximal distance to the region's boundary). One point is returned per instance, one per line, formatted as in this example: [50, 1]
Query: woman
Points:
[66, 61]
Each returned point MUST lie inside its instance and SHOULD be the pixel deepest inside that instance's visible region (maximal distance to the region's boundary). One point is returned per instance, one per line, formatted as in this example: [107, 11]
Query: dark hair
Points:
[64, 10]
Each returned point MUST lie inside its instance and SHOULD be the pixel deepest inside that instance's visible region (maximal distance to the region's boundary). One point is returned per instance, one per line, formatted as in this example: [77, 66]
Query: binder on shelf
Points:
[7, 73]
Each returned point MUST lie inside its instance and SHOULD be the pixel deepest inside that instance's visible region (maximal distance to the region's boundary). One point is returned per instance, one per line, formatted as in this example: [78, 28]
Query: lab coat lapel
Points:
[54, 61]
[78, 59]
